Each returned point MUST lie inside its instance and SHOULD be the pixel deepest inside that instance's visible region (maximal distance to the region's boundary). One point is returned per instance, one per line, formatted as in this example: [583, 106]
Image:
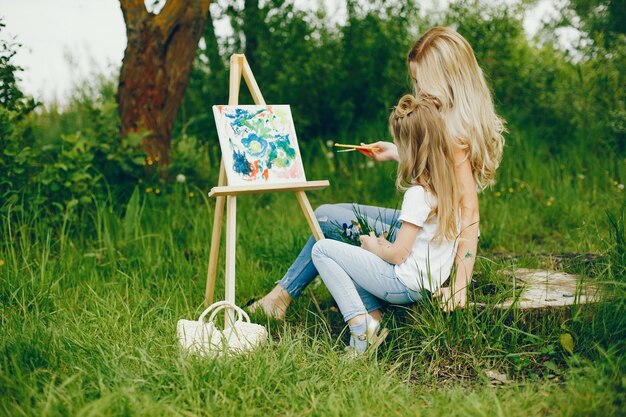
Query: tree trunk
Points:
[157, 62]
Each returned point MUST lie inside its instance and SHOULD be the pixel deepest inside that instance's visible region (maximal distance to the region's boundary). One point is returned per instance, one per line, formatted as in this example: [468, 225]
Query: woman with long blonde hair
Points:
[443, 67]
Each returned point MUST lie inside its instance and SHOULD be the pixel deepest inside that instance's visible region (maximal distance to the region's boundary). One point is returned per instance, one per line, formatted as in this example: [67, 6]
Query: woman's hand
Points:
[387, 151]
[450, 298]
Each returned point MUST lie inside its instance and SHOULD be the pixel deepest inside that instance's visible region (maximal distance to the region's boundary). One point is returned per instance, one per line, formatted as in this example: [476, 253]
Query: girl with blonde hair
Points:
[443, 67]
[422, 255]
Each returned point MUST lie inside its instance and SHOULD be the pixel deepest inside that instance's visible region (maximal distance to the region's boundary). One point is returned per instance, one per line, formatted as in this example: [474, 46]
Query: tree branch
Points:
[176, 11]
[133, 10]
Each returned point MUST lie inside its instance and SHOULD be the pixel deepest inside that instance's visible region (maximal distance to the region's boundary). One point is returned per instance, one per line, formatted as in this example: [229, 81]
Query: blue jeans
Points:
[336, 222]
[357, 279]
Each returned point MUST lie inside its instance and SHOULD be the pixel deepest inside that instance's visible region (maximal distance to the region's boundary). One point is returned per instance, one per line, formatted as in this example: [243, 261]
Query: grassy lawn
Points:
[89, 307]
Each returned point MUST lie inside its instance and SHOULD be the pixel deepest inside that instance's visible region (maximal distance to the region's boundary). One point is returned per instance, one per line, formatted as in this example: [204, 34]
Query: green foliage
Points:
[617, 253]
[57, 171]
[574, 103]
[191, 159]
[603, 20]
[11, 97]
[335, 78]
[342, 79]
[73, 170]
[15, 149]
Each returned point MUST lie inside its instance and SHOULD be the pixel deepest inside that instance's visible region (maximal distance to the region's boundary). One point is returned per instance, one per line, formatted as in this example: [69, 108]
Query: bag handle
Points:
[219, 306]
[227, 304]
[209, 309]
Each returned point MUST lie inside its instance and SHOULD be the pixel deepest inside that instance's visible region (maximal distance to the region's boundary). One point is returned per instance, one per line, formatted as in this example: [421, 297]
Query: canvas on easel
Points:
[259, 144]
[259, 155]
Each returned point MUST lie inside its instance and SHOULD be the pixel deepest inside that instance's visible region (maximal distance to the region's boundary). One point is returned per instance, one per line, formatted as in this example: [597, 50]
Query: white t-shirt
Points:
[429, 263]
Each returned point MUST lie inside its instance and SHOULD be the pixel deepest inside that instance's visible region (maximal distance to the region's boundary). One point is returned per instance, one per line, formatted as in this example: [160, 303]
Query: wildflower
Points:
[511, 189]
[498, 193]
[1, 262]
[522, 185]
[615, 183]
[330, 143]
[149, 189]
[620, 187]
[157, 191]
[330, 155]
[581, 177]
[181, 178]
[191, 194]
[548, 203]
[149, 161]
[370, 164]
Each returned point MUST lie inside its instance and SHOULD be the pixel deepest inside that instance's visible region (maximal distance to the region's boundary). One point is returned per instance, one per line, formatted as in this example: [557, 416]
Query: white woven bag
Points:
[205, 339]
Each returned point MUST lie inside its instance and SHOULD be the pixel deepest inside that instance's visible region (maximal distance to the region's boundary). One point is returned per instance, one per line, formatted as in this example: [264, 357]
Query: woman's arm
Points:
[455, 295]
[396, 252]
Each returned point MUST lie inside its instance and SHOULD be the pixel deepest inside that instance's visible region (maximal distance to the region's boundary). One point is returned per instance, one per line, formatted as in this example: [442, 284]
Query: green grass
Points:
[88, 307]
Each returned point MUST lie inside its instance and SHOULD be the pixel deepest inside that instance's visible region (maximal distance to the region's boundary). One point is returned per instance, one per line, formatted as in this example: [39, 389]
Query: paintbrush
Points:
[351, 148]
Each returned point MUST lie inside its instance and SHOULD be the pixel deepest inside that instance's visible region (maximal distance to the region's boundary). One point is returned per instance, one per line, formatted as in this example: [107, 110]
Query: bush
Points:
[55, 170]
[15, 108]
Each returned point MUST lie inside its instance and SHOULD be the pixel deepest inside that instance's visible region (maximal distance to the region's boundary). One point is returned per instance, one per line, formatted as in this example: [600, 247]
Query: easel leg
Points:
[215, 242]
[231, 243]
[310, 215]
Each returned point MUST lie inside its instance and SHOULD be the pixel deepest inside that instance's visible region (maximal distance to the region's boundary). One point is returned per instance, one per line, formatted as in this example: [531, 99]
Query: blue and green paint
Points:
[260, 144]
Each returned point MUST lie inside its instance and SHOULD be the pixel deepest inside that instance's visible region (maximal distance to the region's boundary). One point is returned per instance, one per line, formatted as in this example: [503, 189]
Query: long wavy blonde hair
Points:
[426, 154]
[446, 68]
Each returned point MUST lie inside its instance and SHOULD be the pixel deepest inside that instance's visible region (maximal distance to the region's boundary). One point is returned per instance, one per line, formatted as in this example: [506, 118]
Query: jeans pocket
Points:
[397, 297]
[419, 295]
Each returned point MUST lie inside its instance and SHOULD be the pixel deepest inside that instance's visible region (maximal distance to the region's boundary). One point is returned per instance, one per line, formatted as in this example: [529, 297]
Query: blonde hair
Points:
[447, 69]
[427, 157]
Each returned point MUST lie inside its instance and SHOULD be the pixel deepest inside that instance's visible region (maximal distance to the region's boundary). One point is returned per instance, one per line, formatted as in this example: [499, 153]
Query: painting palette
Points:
[259, 144]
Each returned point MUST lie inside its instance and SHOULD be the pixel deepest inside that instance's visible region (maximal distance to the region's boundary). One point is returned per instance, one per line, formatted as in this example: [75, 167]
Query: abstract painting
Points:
[259, 144]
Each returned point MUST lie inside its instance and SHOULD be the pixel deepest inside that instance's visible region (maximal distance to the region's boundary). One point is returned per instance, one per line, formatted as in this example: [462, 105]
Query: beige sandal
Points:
[374, 335]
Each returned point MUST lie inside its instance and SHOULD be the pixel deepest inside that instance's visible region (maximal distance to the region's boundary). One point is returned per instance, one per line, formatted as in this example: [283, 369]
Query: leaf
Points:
[61, 165]
[496, 377]
[567, 341]
[72, 203]
[551, 366]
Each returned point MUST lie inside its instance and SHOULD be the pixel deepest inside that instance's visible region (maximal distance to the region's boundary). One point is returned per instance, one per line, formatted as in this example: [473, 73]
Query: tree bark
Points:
[156, 67]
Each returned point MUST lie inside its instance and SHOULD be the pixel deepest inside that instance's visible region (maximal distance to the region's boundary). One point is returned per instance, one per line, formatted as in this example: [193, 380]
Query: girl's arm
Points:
[396, 252]
[387, 151]
[455, 295]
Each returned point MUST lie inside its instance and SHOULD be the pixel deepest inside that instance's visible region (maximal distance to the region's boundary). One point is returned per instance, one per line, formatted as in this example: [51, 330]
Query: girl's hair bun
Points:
[409, 103]
[405, 106]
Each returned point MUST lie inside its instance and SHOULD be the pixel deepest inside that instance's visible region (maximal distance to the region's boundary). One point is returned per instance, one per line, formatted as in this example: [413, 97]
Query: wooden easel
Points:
[239, 66]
